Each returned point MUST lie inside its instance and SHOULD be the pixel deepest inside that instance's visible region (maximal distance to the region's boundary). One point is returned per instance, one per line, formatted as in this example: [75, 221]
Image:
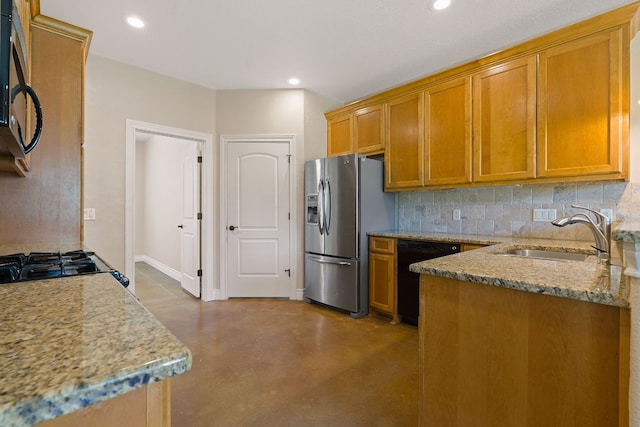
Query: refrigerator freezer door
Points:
[314, 200]
[332, 281]
[341, 206]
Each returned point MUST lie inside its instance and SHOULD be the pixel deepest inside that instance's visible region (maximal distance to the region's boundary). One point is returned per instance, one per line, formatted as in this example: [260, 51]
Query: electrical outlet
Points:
[456, 215]
[89, 214]
[544, 214]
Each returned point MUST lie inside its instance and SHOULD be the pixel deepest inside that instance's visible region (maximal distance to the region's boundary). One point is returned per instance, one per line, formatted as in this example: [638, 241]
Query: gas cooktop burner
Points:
[46, 265]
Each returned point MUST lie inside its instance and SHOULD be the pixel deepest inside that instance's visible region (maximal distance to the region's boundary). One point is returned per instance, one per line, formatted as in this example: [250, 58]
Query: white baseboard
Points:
[174, 274]
[299, 294]
[217, 295]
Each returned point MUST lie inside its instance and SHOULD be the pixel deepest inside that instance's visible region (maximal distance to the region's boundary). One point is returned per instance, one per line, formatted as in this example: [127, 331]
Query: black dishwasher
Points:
[410, 252]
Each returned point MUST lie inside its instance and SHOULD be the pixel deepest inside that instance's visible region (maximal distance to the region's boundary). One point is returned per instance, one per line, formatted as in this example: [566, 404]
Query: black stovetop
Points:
[46, 265]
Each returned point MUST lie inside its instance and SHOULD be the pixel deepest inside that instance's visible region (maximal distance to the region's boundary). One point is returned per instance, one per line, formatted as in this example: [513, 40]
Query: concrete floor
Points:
[262, 362]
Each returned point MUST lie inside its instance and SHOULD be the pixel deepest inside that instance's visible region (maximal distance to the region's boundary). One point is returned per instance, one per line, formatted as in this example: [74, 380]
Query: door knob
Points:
[232, 227]
[181, 226]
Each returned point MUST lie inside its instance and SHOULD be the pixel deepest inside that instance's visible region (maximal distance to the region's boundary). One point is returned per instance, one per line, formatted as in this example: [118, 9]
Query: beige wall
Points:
[293, 111]
[116, 92]
[242, 112]
[315, 125]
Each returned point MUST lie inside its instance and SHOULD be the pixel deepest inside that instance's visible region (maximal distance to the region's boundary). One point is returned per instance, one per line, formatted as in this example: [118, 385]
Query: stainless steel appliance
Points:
[344, 199]
[49, 265]
[14, 90]
[410, 252]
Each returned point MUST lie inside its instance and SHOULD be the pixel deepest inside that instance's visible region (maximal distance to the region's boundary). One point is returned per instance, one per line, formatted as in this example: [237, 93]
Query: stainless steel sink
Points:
[546, 254]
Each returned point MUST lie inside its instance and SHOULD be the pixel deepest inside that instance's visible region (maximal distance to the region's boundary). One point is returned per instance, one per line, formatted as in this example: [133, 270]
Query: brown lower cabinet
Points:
[491, 356]
[149, 406]
[382, 277]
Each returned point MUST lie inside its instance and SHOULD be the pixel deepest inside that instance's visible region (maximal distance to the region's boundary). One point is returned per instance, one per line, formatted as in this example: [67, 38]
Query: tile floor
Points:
[262, 362]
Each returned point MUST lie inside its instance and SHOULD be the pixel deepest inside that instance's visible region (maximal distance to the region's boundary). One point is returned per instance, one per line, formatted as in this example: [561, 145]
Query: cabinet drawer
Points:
[383, 245]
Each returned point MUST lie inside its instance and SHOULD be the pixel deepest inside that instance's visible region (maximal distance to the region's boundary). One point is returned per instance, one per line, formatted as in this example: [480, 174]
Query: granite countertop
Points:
[475, 239]
[583, 280]
[627, 232]
[67, 343]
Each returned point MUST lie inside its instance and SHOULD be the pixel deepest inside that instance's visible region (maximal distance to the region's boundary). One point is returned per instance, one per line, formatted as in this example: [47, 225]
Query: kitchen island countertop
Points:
[583, 280]
[67, 343]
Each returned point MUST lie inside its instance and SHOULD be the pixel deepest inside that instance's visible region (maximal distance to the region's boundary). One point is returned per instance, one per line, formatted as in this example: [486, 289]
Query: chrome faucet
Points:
[601, 230]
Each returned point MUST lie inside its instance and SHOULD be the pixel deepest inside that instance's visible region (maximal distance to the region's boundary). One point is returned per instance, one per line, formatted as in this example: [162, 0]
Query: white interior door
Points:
[190, 226]
[258, 198]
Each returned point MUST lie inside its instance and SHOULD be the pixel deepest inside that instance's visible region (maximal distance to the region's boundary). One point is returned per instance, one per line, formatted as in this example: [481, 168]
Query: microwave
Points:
[15, 92]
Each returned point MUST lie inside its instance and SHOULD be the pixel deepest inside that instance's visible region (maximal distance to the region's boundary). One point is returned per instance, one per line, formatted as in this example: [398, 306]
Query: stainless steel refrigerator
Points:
[344, 199]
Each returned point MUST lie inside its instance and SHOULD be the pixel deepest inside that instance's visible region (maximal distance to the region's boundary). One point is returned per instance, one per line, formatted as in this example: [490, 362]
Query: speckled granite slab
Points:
[581, 280]
[628, 232]
[67, 343]
[474, 239]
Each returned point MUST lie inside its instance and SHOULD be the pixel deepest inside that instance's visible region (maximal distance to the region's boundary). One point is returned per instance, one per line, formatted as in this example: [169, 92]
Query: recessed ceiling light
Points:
[135, 22]
[440, 4]
[293, 81]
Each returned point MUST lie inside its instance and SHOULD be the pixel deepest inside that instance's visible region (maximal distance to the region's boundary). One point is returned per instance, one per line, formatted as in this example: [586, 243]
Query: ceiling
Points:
[341, 49]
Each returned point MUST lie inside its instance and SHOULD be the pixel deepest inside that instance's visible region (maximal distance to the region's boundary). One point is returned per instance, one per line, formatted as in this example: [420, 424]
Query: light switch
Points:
[89, 214]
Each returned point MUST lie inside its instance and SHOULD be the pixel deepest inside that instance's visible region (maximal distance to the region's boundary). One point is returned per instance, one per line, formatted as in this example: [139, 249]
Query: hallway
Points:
[284, 363]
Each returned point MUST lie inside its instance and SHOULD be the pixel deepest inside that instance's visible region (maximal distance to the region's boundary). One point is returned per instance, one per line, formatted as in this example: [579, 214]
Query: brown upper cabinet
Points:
[448, 133]
[58, 54]
[340, 135]
[582, 112]
[404, 164]
[555, 108]
[504, 121]
[359, 132]
[368, 129]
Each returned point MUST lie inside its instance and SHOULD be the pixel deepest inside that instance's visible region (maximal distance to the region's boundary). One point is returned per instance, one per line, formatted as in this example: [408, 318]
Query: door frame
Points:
[207, 230]
[225, 140]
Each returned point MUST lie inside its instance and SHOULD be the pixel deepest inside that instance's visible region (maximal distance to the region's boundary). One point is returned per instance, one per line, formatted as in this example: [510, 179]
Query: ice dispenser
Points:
[312, 209]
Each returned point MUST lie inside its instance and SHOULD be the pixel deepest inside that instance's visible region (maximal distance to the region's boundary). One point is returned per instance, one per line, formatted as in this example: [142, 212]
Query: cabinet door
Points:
[404, 156]
[582, 113]
[339, 135]
[382, 272]
[369, 129]
[448, 133]
[382, 276]
[504, 121]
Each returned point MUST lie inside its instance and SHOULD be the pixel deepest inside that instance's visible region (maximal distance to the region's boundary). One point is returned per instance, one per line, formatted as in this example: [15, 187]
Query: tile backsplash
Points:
[508, 210]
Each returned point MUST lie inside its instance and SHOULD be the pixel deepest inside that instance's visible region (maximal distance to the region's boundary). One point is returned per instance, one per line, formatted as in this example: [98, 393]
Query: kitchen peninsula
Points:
[85, 347]
[510, 340]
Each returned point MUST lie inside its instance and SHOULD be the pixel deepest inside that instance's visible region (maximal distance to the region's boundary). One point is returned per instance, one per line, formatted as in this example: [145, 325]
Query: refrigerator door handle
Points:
[327, 227]
[323, 261]
[321, 207]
